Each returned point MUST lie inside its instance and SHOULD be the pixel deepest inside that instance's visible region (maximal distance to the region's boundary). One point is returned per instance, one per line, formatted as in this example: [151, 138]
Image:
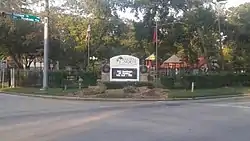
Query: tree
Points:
[238, 33]
[187, 28]
[20, 40]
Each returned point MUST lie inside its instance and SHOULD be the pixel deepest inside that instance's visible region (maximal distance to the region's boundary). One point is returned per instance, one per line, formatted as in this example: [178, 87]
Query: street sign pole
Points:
[3, 67]
[45, 57]
[3, 79]
[46, 47]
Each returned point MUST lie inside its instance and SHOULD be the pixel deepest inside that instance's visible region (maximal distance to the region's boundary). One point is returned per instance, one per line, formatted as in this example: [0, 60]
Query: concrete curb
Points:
[124, 99]
[79, 98]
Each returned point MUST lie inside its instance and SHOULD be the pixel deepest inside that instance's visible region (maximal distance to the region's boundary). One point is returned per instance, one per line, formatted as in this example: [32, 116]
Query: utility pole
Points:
[156, 50]
[88, 42]
[156, 18]
[220, 43]
[218, 7]
[46, 46]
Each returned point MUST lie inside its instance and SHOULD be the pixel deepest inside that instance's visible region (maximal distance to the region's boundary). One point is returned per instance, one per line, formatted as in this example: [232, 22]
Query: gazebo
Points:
[173, 62]
[173, 65]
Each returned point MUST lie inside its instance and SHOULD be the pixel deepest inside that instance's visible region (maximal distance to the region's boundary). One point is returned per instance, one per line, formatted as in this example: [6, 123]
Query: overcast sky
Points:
[128, 15]
[236, 2]
[230, 3]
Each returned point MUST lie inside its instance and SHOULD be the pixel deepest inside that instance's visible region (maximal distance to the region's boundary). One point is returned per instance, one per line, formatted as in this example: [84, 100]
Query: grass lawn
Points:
[51, 91]
[171, 93]
[208, 92]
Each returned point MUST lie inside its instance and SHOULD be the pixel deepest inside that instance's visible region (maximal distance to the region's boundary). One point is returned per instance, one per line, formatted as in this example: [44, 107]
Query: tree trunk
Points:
[204, 49]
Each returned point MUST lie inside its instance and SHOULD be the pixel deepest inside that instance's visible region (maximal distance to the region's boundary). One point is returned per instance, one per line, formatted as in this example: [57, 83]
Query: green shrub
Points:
[88, 78]
[167, 82]
[207, 81]
[121, 85]
[215, 80]
[150, 85]
[114, 85]
[59, 79]
[56, 79]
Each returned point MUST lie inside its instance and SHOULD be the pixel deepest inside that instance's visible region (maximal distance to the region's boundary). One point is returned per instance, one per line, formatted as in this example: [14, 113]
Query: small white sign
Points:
[124, 68]
[3, 64]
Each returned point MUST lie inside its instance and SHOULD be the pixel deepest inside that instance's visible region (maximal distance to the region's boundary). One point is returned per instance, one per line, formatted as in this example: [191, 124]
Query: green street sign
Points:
[26, 17]
[31, 18]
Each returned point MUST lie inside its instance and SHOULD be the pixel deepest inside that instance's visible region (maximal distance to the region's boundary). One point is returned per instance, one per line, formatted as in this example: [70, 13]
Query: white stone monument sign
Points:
[124, 68]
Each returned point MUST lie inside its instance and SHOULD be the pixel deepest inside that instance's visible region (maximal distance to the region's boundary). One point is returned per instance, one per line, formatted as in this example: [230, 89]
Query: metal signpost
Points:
[3, 66]
[46, 47]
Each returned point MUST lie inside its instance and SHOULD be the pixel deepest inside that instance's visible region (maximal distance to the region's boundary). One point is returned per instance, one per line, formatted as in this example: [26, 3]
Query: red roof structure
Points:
[173, 62]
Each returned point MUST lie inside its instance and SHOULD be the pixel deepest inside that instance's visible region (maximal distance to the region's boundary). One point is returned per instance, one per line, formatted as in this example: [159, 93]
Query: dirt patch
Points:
[127, 92]
[151, 93]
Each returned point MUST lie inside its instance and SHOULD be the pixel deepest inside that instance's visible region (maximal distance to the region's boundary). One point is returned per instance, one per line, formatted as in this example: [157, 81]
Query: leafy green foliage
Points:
[209, 81]
[168, 82]
[20, 40]
[120, 85]
[186, 28]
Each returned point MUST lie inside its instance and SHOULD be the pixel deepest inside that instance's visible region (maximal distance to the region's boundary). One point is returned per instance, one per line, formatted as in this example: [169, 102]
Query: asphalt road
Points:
[36, 119]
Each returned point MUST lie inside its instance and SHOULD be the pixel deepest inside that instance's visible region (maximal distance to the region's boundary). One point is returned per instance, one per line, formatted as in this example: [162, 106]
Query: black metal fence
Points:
[57, 79]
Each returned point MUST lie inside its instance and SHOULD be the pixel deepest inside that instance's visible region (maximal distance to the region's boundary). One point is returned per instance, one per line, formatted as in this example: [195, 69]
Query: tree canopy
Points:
[187, 28]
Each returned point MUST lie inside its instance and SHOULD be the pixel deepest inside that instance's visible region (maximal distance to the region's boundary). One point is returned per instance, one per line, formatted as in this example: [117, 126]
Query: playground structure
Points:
[175, 65]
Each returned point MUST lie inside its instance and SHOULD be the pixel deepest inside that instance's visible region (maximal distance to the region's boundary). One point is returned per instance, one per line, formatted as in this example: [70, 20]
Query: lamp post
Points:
[93, 59]
[156, 18]
[88, 42]
[61, 34]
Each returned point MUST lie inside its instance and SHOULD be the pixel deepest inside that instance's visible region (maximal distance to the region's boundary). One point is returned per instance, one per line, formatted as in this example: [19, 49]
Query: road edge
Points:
[124, 99]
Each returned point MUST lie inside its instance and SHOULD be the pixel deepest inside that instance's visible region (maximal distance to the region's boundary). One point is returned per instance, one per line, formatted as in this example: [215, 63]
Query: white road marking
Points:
[229, 105]
[239, 103]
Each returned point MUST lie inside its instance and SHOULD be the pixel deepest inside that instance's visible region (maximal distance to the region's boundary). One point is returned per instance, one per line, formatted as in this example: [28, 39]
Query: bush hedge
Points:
[121, 85]
[208, 81]
[59, 79]
[89, 78]
[56, 79]
[167, 82]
